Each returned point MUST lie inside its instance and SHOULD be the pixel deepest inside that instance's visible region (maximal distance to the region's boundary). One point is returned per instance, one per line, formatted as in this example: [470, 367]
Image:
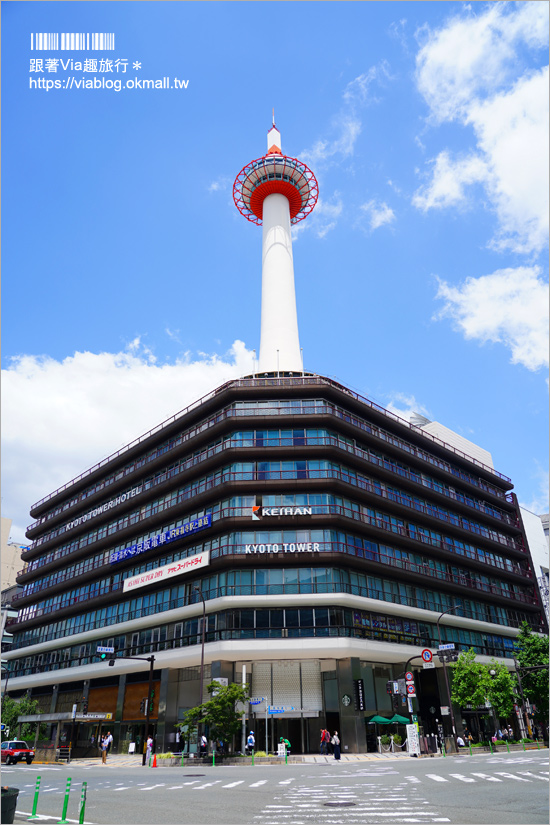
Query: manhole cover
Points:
[339, 804]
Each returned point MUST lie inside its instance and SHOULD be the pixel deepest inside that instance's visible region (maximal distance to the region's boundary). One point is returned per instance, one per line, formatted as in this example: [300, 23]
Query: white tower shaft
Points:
[279, 341]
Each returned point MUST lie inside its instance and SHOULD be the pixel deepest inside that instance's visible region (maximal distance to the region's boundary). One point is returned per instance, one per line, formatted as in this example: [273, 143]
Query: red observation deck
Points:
[275, 174]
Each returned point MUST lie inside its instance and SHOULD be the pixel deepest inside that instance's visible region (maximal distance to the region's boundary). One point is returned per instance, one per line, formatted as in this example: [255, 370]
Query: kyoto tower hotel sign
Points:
[277, 191]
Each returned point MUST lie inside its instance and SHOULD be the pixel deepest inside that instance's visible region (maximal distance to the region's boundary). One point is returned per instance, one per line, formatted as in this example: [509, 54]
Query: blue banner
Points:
[162, 538]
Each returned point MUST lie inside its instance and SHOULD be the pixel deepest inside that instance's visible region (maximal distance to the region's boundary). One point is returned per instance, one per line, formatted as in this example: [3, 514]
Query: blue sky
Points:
[131, 284]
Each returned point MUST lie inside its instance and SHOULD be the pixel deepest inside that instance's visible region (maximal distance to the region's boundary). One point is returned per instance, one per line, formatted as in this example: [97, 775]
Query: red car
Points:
[16, 751]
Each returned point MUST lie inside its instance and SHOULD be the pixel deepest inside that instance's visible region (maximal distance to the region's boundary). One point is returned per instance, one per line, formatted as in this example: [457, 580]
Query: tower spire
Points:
[277, 191]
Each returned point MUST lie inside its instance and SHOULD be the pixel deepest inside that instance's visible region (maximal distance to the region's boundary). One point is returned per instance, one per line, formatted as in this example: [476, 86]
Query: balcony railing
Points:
[305, 441]
[303, 381]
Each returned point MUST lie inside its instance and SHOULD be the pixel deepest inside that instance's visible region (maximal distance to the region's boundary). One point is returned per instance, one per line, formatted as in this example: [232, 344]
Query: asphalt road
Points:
[504, 789]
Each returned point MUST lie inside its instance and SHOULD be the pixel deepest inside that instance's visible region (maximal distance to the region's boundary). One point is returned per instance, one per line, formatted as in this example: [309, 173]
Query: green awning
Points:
[379, 720]
[401, 720]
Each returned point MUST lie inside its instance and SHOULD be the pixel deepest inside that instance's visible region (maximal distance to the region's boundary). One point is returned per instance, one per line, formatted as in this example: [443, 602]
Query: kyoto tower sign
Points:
[277, 191]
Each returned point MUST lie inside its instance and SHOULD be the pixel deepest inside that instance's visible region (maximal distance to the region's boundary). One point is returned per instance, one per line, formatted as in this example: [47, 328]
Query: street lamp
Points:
[199, 591]
[450, 610]
[151, 660]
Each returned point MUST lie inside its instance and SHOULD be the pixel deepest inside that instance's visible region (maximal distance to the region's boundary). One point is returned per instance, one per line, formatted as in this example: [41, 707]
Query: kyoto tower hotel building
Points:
[320, 536]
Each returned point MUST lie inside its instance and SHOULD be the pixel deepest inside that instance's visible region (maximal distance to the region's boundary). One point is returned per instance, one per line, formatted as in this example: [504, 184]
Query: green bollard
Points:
[490, 747]
[64, 820]
[507, 747]
[252, 756]
[470, 746]
[82, 803]
[286, 757]
[35, 801]
[213, 759]
[523, 743]
[537, 741]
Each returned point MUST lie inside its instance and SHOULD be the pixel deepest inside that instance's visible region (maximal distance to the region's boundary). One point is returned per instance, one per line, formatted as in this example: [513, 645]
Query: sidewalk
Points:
[116, 760]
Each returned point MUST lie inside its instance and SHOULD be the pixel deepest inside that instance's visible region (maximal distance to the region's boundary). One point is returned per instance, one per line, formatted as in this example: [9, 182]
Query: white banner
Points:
[177, 568]
[413, 741]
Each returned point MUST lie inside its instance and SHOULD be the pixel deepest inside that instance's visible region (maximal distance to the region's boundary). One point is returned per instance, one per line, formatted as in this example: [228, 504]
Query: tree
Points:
[470, 680]
[21, 707]
[221, 714]
[531, 650]
[500, 689]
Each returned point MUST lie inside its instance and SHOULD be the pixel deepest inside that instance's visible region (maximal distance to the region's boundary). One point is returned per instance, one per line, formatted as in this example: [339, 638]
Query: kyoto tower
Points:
[277, 191]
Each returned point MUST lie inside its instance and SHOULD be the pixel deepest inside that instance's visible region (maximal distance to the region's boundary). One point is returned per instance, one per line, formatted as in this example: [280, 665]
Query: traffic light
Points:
[389, 687]
[143, 706]
[85, 707]
[112, 662]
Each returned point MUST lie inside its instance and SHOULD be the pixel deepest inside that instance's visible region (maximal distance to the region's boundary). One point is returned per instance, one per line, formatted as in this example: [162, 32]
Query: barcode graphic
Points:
[72, 41]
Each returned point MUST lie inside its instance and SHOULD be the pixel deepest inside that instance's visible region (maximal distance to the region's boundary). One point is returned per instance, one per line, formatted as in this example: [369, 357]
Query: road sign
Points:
[445, 710]
[409, 676]
[411, 690]
[257, 700]
[426, 655]
[105, 650]
[428, 665]
[3, 727]
[279, 708]
[451, 646]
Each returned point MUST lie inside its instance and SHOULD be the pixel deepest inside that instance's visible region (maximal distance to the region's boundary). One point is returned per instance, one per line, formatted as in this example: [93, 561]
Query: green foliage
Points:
[259, 753]
[220, 714]
[501, 689]
[470, 680]
[21, 707]
[531, 651]
[474, 685]
[385, 739]
[397, 739]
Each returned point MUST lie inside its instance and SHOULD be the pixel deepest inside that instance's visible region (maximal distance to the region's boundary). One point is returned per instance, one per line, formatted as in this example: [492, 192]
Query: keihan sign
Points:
[264, 512]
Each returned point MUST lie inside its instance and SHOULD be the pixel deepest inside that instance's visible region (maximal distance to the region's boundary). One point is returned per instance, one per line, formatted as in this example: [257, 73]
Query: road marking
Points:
[513, 776]
[536, 776]
[436, 778]
[288, 781]
[487, 777]
[414, 780]
[462, 777]
[125, 789]
[257, 784]
[233, 784]
[152, 787]
[207, 785]
[175, 788]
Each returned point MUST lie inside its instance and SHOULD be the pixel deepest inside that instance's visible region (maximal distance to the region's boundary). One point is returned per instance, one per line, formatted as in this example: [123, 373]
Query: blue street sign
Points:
[105, 649]
[447, 647]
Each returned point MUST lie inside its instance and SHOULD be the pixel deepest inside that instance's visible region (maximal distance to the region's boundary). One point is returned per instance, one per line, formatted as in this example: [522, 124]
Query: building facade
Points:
[326, 537]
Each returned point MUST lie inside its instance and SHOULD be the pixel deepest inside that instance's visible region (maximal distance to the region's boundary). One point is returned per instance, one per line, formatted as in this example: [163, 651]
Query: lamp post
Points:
[201, 688]
[450, 610]
[151, 660]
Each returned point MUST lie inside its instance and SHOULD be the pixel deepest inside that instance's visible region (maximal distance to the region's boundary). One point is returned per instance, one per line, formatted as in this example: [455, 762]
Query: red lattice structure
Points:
[275, 174]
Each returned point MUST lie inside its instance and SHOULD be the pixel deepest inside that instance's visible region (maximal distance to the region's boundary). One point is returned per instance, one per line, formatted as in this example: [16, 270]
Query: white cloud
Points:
[221, 184]
[476, 54]
[61, 417]
[539, 502]
[512, 132]
[358, 91]
[470, 71]
[347, 128]
[378, 214]
[510, 307]
[323, 218]
[449, 178]
[405, 405]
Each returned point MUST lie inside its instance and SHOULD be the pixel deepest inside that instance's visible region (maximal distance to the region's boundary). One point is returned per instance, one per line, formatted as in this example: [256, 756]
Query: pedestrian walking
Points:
[148, 750]
[104, 751]
[250, 742]
[325, 739]
[109, 739]
[204, 745]
[335, 742]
